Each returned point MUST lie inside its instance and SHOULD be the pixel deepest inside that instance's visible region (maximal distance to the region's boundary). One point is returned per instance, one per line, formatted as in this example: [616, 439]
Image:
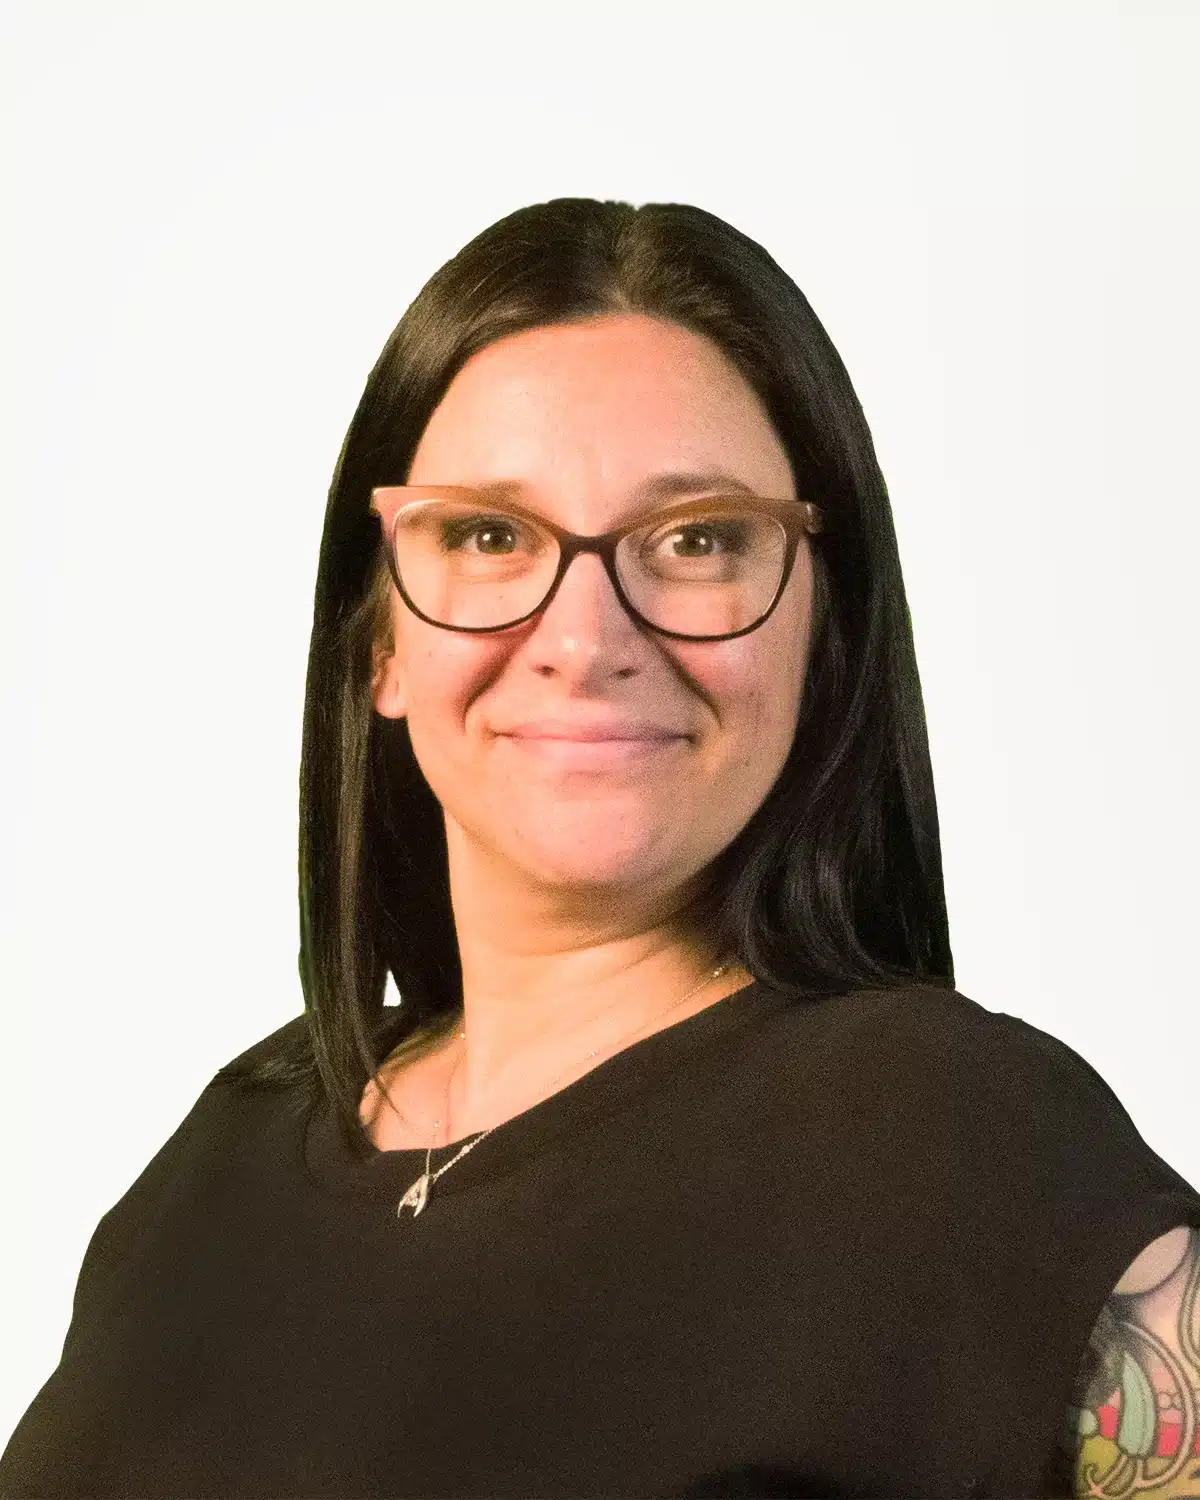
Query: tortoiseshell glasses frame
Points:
[798, 518]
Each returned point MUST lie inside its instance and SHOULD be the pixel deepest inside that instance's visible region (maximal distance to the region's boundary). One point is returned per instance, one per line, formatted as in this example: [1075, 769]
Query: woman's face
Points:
[582, 415]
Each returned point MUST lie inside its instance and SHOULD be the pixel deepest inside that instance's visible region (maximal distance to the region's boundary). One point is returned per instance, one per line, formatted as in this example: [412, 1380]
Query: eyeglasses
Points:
[704, 570]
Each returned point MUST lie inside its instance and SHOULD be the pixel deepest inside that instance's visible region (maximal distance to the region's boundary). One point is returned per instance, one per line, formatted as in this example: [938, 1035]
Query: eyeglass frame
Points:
[799, 518]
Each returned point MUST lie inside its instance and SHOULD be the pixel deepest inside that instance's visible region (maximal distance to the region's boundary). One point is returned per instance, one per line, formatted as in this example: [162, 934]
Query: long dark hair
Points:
[836, 881]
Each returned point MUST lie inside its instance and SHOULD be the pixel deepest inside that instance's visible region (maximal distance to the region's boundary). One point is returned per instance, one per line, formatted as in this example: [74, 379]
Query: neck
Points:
[555, 971]
[514, 1052]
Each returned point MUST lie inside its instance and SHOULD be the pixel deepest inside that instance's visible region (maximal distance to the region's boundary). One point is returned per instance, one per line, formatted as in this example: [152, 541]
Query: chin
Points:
[591, 855]
[585, 844]
[593, 869]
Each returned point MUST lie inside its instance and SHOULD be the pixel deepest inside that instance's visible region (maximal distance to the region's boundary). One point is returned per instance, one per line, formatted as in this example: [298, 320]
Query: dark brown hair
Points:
[835, 883]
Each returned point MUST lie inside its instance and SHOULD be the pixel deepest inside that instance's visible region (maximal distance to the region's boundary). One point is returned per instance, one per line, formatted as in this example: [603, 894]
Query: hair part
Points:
[835, 883]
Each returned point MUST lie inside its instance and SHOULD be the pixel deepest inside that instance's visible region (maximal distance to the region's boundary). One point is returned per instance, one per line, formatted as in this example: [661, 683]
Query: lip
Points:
[594, 754]
[618, 730]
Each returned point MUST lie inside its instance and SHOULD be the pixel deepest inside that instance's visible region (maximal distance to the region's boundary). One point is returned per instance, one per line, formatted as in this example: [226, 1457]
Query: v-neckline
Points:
[653, 1061]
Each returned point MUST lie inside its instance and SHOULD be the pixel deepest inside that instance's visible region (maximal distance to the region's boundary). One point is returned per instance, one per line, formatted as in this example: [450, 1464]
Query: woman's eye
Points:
[693, 539]
[704, 540]
[491, 535]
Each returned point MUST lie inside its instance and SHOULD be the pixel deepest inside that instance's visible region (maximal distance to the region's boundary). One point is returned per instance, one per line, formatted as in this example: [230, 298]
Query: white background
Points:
[217, 213]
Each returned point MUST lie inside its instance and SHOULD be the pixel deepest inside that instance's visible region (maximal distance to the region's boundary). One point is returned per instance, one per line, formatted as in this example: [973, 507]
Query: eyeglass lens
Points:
[711, 573]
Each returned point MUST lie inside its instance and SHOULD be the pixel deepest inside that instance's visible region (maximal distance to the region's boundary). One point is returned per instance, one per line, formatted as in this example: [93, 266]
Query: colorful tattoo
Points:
[1136, 1429]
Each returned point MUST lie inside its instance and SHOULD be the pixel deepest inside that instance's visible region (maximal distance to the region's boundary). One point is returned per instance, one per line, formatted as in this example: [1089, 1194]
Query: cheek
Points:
[756, 692]
[755, 687]
[760, 726]
[446, 674]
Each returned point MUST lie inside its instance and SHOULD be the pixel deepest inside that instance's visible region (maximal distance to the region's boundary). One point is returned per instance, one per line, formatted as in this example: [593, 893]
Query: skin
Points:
[567, 883]
[1144, 1358]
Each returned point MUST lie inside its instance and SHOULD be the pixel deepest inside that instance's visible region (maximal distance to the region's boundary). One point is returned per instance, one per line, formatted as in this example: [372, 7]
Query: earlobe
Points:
[387, 687]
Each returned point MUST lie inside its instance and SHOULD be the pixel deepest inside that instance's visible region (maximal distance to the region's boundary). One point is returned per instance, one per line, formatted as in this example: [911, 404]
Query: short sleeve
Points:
[1055, 1192]
[113, 1248]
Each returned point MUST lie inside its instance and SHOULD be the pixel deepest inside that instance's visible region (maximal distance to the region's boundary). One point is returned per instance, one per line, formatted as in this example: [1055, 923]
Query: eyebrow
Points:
[659, 487]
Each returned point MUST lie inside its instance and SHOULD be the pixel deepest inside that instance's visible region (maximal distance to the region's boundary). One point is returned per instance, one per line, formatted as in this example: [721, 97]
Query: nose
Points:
[585, 628]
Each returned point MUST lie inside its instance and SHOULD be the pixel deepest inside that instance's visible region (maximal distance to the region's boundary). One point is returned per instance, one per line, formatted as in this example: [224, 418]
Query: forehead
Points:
[602, 402]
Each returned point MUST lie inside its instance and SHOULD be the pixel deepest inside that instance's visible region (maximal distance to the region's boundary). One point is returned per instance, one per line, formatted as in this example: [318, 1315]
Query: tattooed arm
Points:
[1135, 1427]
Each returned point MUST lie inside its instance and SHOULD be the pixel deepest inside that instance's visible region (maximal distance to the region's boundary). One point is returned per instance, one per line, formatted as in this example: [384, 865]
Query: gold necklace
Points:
[418, 1195]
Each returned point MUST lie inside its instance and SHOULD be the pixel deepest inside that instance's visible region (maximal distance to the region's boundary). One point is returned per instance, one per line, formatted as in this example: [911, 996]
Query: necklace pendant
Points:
[416, 1197]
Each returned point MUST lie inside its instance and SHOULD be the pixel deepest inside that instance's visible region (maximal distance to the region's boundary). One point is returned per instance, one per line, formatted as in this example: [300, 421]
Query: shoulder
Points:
[944, 1030]
[221, 1115]
[290, 1047]
[283, 1042]
[930, 1039]
[1018, 1129]
[937, 1016]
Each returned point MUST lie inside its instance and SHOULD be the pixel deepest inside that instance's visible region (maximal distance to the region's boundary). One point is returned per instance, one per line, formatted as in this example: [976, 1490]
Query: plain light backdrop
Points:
[218, 212]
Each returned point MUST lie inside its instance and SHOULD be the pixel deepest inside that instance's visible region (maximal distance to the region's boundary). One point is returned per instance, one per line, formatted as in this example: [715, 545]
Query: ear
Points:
[389, 688]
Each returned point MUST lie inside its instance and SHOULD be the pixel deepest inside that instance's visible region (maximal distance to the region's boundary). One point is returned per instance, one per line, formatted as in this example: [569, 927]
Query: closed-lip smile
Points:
[582, 731]
[599, 745]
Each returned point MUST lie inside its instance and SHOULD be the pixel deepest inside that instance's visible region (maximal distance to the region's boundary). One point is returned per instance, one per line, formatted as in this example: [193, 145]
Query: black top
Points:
[852, 1246]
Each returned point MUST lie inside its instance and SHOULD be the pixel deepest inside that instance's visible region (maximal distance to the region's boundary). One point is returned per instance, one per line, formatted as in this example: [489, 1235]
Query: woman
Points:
[682, 1168]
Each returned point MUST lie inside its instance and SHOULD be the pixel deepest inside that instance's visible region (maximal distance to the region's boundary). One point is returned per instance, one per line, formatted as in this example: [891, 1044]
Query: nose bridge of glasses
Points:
[597, 553]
